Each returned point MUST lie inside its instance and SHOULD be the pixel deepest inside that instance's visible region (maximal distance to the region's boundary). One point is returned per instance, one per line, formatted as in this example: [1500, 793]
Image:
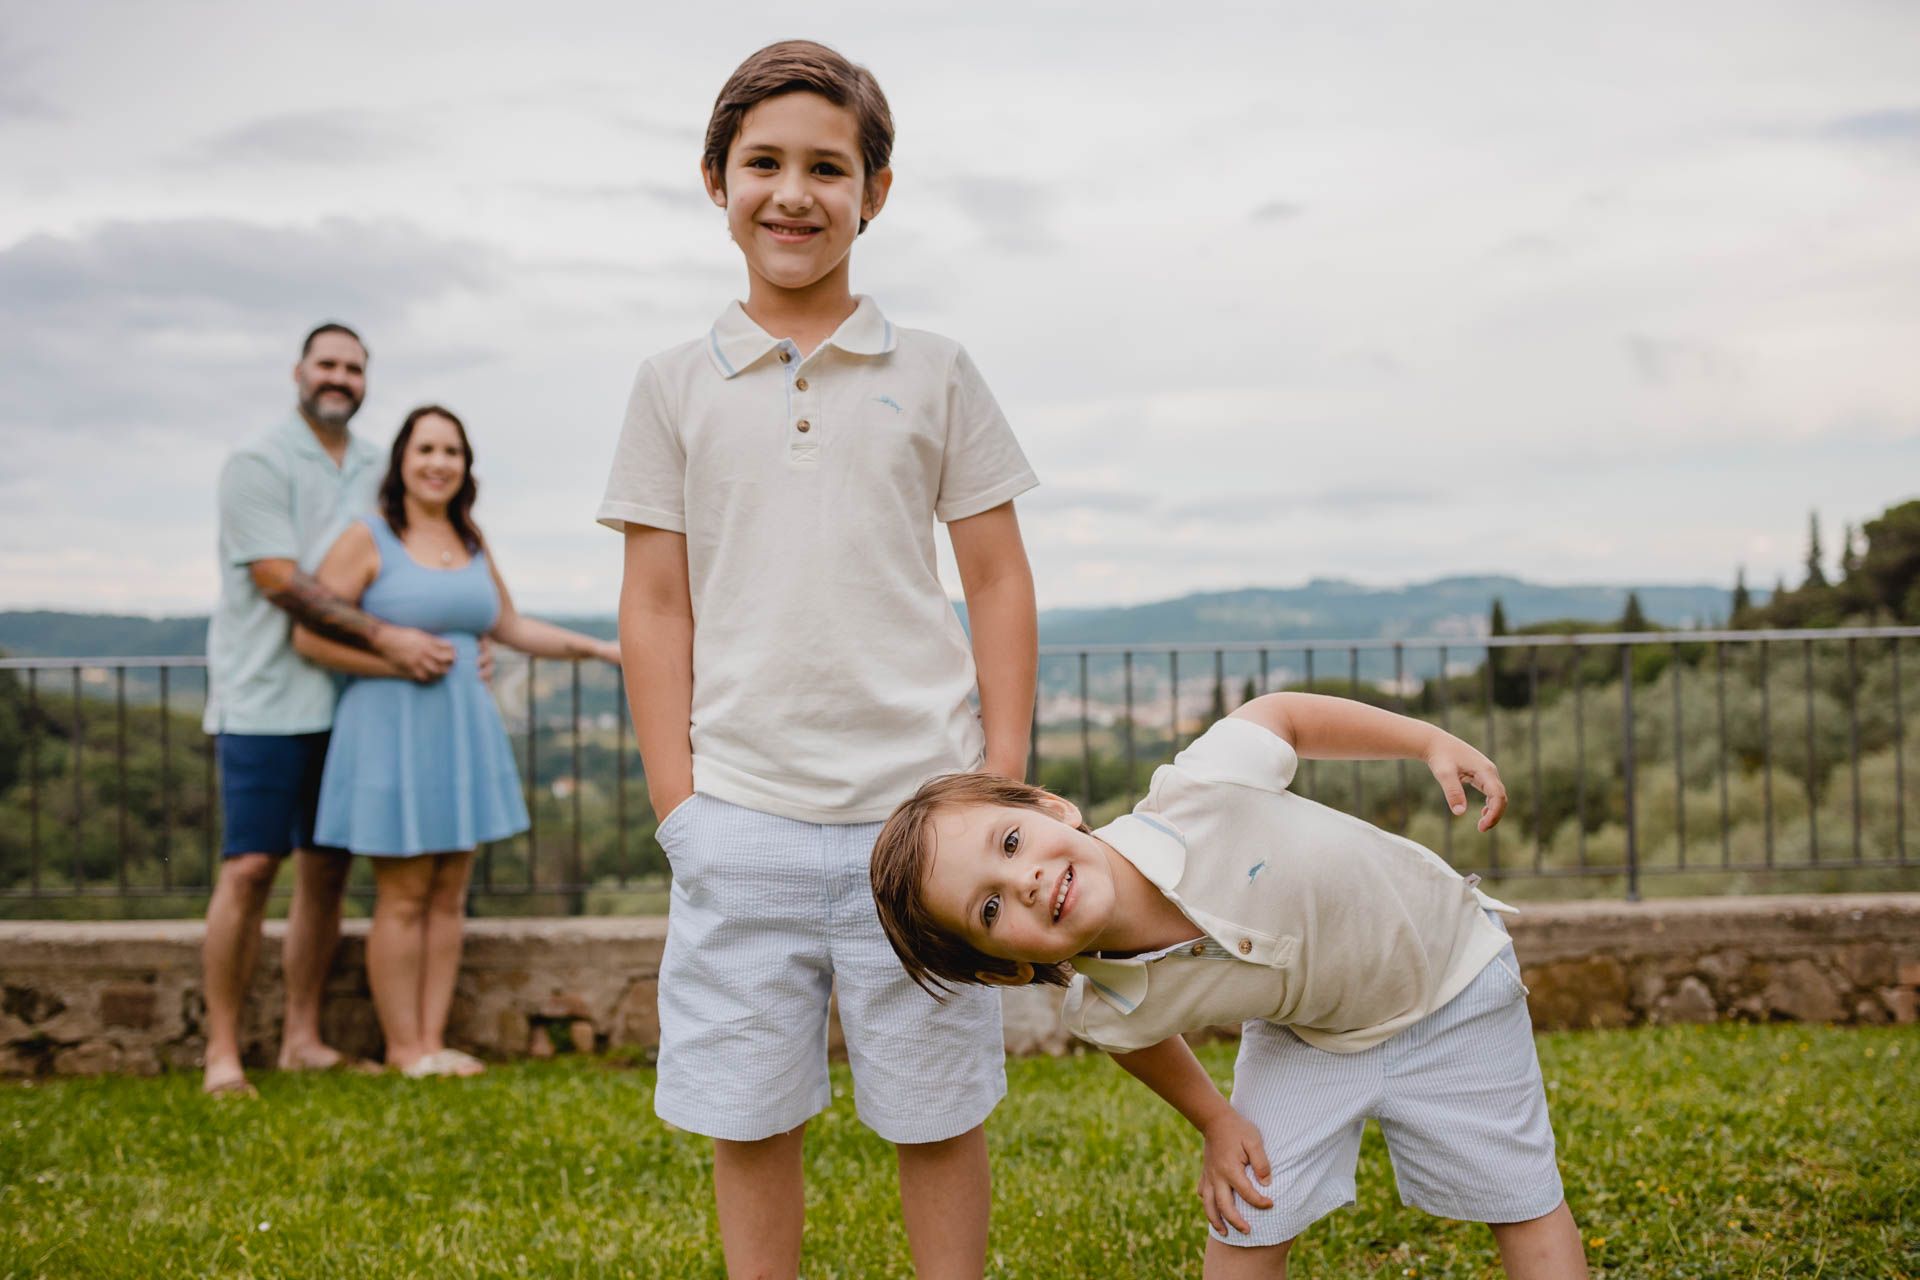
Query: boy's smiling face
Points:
[796, 190]
[1017, 883]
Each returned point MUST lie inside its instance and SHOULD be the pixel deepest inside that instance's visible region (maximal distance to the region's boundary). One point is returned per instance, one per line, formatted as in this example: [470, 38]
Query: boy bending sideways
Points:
[1371, 978]
[795, 671]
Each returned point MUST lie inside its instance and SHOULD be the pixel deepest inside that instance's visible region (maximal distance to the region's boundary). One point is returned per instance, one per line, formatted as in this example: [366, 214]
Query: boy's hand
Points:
[1232, 1144]
[1453, 763]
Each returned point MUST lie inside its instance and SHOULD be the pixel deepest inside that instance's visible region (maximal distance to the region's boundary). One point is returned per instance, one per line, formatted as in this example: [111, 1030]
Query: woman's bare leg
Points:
[446, 925]
[395, 947]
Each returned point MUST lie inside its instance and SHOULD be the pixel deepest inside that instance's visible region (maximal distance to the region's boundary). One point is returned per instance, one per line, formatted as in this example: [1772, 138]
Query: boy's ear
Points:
[1021, 977]
[874, 198]
[716, 189]
[1062, 808]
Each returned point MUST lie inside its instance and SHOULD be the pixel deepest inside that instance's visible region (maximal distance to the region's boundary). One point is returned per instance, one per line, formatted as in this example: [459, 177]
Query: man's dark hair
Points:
[800, 66]
[333, 326]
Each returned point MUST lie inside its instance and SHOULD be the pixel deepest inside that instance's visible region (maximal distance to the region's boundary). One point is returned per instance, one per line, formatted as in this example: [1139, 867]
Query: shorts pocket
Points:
[670, 828]
[1509, 966]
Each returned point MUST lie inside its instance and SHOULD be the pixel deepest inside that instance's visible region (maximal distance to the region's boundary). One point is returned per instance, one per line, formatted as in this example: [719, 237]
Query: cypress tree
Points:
[1633, 617]
[1816, 576]
[1742, 598]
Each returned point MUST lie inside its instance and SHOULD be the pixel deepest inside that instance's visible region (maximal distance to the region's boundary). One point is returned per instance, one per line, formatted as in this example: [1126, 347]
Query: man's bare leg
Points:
[313, 932]
[759, 1190]
[946, 1195]
[1543, 1248]
[227, 956]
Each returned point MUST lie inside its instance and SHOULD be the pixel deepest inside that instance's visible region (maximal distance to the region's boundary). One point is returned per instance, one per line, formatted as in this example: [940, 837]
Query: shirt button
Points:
[803, 425]
[1246, 945]
[1199, 948]
[799, 384]
[786, 357]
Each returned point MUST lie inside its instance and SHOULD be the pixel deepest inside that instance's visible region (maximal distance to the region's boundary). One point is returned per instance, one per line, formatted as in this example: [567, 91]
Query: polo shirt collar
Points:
[735, 342]
[360, 450]
[1153, 845]
[1158, 851]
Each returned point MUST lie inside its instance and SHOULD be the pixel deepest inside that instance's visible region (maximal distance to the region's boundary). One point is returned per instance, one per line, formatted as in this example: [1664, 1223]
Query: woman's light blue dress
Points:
[422, 768]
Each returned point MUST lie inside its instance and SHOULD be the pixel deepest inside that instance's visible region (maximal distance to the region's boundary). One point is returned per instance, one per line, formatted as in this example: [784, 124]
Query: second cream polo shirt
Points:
[830, 674]
[1308, 917]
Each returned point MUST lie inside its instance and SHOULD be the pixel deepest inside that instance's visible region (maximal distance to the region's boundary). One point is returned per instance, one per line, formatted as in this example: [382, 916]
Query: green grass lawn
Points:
[1688, 1152]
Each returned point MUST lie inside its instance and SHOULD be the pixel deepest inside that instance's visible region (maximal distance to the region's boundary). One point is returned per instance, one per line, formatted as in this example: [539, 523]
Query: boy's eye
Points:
[990, 911]
[831, 170]
[1010, 845]
[761, 162]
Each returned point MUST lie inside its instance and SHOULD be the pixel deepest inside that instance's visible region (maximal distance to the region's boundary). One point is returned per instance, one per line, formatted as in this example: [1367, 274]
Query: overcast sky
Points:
[1269, 291]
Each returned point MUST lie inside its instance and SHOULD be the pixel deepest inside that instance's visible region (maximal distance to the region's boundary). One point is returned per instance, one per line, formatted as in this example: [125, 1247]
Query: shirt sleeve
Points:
[647, 483]
[1240, 751]
[256, 511]
[982, 465]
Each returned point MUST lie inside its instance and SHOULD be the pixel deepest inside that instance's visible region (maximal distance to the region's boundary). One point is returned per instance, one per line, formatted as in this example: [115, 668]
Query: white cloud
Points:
[1271, 293]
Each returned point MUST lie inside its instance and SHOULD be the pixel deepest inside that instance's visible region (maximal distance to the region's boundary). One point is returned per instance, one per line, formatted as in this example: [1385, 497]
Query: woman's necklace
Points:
[446, 557]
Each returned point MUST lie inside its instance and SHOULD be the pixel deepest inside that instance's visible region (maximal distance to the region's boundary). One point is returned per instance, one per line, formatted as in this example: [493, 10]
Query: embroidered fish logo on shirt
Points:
[890, 402]
[1255, 870]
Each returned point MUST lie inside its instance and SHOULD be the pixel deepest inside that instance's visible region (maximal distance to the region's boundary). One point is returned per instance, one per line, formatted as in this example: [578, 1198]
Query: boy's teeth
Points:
[1060, 898]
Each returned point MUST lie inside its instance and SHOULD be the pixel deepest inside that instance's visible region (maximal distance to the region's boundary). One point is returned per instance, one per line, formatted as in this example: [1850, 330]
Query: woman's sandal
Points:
[447, 1062]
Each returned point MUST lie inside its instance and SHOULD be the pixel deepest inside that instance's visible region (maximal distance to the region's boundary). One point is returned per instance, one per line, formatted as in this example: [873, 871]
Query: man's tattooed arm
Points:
[322, 612]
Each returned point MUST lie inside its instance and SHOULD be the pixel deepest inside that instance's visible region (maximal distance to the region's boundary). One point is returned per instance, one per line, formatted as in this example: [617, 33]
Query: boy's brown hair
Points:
[936, 957]
[800, 66]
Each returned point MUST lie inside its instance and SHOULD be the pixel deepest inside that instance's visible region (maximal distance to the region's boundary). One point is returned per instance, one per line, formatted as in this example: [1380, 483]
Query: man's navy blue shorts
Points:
[269, 791]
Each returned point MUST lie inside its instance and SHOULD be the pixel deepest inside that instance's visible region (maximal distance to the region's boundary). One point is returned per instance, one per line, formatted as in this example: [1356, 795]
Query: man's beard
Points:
[331, 416]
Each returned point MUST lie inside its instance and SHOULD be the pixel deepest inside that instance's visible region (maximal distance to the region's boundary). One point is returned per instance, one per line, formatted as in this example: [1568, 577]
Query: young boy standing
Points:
[795, 670]
[1372, 979]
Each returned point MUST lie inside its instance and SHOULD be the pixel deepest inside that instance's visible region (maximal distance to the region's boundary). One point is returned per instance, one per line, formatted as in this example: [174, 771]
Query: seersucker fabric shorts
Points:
[768, 917]
[1458, 1096]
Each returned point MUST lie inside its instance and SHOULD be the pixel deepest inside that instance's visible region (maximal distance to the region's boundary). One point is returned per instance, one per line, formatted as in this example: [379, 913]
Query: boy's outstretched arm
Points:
[998, 584]
[1324, 728]
[656, 653]
[1232, 1143]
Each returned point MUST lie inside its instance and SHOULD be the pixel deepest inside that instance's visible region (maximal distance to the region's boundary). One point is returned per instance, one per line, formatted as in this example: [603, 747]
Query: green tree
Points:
[1633, 617]
[1890, 566]
[1509, 684]
[1742, 599]
[1248, 691]
[1219, 709]
[1816, 576]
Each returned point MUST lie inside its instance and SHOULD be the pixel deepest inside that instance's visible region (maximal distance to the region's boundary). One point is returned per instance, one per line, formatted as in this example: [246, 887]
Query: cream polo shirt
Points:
[1309, 917]
[830, 674]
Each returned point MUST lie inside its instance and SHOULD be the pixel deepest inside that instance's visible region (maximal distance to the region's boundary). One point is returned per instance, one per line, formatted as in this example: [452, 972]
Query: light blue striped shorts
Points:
[1458, 1096]
[768, 918]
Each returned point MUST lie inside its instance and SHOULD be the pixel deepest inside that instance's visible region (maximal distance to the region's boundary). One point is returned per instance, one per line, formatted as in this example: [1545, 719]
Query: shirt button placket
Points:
[802, 422]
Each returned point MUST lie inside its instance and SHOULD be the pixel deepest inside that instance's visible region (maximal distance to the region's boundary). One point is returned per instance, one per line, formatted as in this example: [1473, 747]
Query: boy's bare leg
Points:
[759, 1191]
[946, 1195]
[1543, 1248]
[227, 956]
[313, 931]
[1231, 1262]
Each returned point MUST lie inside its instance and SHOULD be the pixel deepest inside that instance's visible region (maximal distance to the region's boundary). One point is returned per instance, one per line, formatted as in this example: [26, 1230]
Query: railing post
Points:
[1086, 739]
[1626, 764]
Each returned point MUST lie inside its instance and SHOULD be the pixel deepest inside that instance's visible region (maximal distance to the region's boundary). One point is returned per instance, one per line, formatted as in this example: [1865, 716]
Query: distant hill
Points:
[1329, 609]
[1322, 609]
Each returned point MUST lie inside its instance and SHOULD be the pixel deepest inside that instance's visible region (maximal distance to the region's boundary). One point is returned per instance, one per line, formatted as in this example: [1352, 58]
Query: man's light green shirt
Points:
[281, 498]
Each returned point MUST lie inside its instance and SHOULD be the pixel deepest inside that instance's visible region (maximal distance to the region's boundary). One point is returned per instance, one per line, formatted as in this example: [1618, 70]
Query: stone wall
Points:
[82, 998]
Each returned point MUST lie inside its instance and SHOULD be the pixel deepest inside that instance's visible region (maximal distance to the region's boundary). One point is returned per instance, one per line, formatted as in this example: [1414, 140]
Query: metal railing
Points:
[1629, 756]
